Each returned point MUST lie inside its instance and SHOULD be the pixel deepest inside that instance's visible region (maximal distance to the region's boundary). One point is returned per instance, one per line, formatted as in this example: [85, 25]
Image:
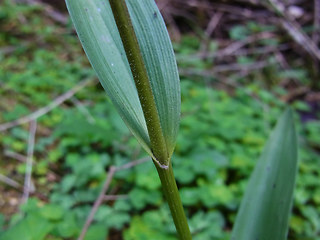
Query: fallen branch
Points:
[27, 180]
[294, 30]
[15, 155]
[42, 111]
[301, 39]
[132, 164]
[114, 197]
[316, 22]
[238, 48]
[103, 197]
[83, 110]
[236, 67]
[98, 202]
[232, 48]
[49, 10]
[213, 23]
[9, 182]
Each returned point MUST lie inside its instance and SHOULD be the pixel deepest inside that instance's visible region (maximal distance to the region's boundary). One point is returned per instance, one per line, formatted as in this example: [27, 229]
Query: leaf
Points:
[265, 208]
[101, 41]
[33, 227]
[2, 220]
[142, 230]
[52, 212]
[207, 225]
[68, 227]
[96, 232]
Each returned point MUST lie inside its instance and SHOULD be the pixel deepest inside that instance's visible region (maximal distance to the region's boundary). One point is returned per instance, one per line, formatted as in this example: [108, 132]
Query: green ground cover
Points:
[222, 133]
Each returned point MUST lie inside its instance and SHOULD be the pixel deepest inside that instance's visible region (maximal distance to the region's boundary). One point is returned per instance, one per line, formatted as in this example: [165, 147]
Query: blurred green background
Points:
[239, 68]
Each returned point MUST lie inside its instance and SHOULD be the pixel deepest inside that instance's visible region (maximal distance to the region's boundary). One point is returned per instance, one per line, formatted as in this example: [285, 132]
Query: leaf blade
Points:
[161, 65]
[100, 39]
[265, 209]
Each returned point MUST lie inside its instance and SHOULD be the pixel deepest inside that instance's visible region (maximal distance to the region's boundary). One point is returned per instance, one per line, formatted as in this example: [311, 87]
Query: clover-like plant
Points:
[128, 45]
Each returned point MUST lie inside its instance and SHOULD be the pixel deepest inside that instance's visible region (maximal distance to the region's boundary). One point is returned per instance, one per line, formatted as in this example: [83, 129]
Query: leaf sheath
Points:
[141, 79]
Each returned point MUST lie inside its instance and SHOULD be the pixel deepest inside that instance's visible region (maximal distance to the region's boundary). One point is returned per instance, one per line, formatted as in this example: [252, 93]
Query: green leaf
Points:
[68, 227]
[52, 212]
[142, 230]
[33, 227]
[96, 232]
[265, 208]
[101, 41]
[189, 196]
[207, 225]
[2, 220]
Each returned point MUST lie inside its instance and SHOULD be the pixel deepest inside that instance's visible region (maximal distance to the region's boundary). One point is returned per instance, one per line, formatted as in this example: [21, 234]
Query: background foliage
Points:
[231, 99]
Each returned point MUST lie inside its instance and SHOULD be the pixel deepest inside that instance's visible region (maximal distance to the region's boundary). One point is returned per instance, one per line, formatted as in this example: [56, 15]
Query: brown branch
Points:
[103, 197]
[294, 30]
[31, 141]
[15, 155]
[213, 23]
[249, 40]
[9, 182]
[237, 48]
[98, 202]
[83, 110]
[132, 164]
[301, 38]
[49, 10]
[316, 22]
[42, 111]
[114, 197]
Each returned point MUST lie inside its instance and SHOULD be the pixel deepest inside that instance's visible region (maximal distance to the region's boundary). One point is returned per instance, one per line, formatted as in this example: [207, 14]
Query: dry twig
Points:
[98, 202]
[224, 68]
[103, 197]
[83, 110]
[294, 30]
[50, 11]
[114, 197]
[15, 155]
[316, 22]
[42, 111]
[214, 21]
[9, 182]
[31, 140]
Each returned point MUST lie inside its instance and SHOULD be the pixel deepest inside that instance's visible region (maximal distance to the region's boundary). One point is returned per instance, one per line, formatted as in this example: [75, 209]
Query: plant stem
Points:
[171, 193]
[146, 97]
[142, 82]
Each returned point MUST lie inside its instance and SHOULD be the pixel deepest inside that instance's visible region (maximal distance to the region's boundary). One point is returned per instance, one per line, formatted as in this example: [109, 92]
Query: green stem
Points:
[146, 97]
[171, 193]
[140, 76]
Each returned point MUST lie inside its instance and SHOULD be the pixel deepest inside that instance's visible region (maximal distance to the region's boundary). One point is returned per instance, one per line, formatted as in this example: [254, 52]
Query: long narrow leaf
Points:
[101, 41]
[265, 208]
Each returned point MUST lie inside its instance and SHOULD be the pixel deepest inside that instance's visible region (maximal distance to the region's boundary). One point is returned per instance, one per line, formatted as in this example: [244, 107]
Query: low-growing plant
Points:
[128, 45]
